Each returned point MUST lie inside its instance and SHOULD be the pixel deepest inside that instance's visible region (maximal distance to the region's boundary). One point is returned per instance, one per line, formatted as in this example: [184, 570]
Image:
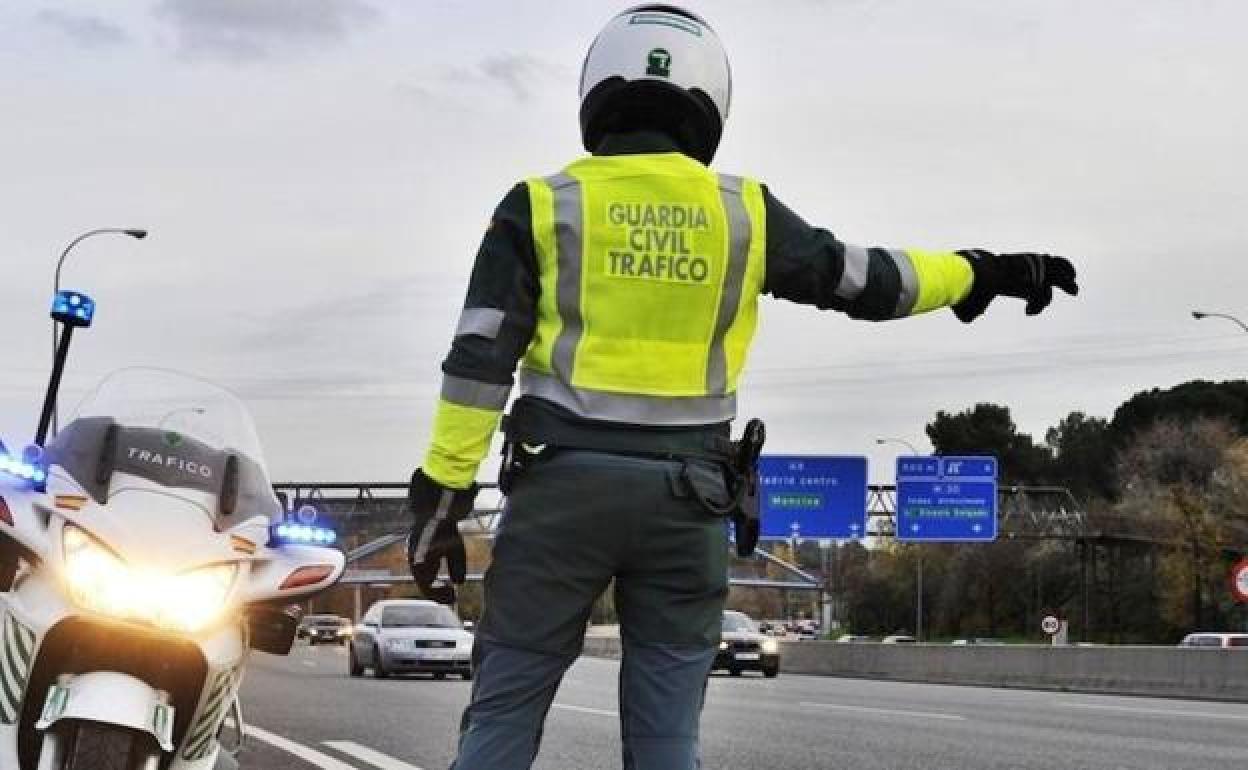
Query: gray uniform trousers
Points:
[573, 523]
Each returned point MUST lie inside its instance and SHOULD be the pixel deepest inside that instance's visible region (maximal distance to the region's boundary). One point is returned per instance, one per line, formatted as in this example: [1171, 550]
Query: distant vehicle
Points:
[1216, 639]
[980, 641]
[398, 636]
[743, 648]
[807, 629]
[772, 627]
[854, 639]
[325, 628]
[899, 639]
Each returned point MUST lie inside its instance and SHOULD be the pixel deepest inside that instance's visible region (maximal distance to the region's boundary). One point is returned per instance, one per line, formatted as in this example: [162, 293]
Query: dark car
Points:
[743, 647]
[320, 629]
[398, 636]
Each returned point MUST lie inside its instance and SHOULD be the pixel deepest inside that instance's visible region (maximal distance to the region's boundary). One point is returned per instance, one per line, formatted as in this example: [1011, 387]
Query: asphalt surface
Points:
[309, 714]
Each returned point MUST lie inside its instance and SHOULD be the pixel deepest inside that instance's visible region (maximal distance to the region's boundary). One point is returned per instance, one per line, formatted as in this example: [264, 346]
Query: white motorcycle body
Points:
[126, 629]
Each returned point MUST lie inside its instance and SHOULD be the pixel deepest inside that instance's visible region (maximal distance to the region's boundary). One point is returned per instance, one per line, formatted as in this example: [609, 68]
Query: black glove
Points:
[436, 513]
[1026, 276]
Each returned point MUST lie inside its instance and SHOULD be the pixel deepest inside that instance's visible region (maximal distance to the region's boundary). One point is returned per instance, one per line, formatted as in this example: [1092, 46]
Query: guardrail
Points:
[1147, 671]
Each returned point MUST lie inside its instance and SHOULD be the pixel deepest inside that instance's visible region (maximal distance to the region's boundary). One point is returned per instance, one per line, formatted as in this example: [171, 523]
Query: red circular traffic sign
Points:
[1239, 580]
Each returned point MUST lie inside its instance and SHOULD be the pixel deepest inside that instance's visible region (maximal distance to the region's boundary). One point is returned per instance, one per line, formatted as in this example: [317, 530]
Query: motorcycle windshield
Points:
[176, 431]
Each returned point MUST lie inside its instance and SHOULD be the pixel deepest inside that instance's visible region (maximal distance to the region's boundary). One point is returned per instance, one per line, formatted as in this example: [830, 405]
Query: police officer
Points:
[625, 287]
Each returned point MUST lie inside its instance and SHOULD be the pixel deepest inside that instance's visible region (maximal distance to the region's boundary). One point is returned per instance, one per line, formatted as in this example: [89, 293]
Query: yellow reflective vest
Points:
[650, 267]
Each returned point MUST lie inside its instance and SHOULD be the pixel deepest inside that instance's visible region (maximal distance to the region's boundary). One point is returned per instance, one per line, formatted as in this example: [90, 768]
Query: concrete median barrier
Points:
[1146, 671]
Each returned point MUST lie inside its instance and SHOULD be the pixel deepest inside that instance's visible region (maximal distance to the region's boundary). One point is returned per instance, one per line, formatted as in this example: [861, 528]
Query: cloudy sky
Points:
[316, 175]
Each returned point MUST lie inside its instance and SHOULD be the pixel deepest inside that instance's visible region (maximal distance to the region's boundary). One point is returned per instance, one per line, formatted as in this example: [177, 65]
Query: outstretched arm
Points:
[810, 266]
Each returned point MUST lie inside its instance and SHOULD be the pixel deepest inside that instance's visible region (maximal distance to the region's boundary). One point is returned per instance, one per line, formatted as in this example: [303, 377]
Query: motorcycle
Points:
[146, 556]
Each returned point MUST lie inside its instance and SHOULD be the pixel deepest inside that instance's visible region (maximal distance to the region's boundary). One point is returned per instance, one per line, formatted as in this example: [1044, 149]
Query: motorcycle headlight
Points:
[100, 581]
[770, 646]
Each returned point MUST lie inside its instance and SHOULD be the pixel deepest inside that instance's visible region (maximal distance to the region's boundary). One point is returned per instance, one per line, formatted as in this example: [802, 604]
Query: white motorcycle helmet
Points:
[657, 67]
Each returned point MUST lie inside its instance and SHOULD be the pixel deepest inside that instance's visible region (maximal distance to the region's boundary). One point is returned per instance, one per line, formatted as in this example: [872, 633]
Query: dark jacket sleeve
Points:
[494, 330]
[500, 310]
[811, 266]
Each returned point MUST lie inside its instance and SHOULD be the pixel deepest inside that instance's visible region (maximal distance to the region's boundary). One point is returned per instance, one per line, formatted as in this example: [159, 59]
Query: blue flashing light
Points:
[303, 534]
[73, 308]
[24, 470]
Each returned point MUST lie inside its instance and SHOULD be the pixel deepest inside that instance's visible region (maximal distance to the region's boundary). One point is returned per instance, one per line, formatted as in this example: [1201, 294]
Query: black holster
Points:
[740, 471]
[517, 457]
[746, 516]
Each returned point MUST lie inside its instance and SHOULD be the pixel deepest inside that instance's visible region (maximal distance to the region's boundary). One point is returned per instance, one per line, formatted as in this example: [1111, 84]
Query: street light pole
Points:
[133, 232]
[918, 552]
[1200, 315]
[902, 441]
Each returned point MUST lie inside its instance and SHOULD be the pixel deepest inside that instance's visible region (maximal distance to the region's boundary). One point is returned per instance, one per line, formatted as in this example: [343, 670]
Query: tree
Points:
[1183, 484]
[1082, 452]
[1182, 403]
[988, 429]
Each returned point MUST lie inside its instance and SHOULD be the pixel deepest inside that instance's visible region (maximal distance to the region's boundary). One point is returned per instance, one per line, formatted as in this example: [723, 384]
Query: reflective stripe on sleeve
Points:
[909, 289]
[480, 321]
[854, 274]
[426, 535]
[739, 234]
[629, 408]
[482, 395]
[569, 234]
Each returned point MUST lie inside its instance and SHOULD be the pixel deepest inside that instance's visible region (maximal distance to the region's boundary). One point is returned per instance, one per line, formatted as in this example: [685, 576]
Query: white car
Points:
[398, 636]
[1215, 639]
[899, 639]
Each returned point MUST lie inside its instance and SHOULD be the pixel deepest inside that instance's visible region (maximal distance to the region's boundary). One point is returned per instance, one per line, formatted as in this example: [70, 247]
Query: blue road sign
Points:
[947, 499]
[810, 496]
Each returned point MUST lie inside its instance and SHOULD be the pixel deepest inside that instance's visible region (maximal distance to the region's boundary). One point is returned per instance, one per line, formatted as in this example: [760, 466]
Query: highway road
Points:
[306, 713]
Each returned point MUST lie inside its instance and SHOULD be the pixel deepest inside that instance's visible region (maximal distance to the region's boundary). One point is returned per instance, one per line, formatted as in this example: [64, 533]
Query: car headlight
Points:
[770, 646]
[397, 644]
[723, 645]
[100, 581]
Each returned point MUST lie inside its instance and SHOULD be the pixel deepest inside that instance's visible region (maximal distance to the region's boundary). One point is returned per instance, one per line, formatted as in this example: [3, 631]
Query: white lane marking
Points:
[323, 761]
[309, 663]
[887, 712]
[587, 710]
[1154, 712]
[371, 756]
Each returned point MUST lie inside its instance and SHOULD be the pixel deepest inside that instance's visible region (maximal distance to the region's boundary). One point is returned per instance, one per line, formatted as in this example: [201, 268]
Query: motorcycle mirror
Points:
[229, 486]
[107, 460]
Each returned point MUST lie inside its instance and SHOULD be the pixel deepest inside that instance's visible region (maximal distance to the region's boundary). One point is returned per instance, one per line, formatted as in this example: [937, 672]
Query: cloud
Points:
[520, 74]
[86, 31]
[254, 29]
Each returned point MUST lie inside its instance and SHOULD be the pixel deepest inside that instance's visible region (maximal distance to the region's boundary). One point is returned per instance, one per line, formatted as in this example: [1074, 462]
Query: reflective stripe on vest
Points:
[647, 303]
